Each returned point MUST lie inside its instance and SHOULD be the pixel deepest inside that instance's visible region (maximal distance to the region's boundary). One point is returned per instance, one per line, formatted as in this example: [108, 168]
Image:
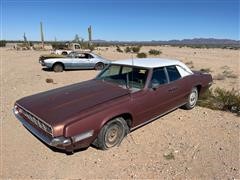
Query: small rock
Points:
[49, 80]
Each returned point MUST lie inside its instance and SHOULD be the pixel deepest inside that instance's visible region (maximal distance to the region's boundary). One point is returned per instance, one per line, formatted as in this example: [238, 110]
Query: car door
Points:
[178, 87]
[154, 101]
[80, 61]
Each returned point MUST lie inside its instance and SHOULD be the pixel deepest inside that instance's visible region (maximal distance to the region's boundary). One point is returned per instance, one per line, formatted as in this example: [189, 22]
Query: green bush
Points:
[136, 49]
[141, 55]
[127, 49]
[3, 43]
[221, 99]
[119, 49]
[154, 52]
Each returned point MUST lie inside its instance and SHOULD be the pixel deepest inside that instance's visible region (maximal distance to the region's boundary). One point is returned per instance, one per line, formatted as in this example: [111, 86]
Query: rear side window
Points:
[173, 73]
[159, 76]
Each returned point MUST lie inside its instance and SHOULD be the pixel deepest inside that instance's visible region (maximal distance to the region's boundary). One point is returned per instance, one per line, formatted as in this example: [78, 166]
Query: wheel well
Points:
[199, 88]
[127, 117]
[99, 63]
[58, 63]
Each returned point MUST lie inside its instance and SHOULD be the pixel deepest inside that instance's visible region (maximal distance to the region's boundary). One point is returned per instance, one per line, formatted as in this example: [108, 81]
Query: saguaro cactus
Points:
[26, 43]
[25, 38]
[42, 36]
[90, 35]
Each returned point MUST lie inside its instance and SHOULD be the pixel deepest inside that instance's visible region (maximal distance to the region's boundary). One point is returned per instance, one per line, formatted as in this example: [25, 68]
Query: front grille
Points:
[35, 120]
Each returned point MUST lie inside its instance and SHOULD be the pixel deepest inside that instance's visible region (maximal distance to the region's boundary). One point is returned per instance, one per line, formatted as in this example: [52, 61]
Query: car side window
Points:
[158, 77]
[173, 73]
[88, 56]
[81, 56]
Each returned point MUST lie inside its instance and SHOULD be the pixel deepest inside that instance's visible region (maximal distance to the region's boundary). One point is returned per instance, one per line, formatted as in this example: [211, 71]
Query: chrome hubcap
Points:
[113, 135]
[193, 98]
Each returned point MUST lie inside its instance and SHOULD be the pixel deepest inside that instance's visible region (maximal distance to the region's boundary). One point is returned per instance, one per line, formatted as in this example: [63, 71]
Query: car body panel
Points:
[85, 107]
[75, 60]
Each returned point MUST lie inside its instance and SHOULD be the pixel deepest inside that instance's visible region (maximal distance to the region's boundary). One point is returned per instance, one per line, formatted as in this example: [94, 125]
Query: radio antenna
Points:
[132, 69]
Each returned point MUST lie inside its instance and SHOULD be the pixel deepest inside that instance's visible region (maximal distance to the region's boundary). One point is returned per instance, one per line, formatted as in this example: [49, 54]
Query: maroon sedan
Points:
[126, 95]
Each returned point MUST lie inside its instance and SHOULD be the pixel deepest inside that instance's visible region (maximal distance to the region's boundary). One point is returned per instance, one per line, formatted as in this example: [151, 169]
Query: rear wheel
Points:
[64, 53]
[99, 66]
[192, 99]
[58, 67]
[112, 134]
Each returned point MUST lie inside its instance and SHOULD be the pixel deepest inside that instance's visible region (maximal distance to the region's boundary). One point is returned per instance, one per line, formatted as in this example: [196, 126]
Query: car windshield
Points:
[71, 54]
[128, 77]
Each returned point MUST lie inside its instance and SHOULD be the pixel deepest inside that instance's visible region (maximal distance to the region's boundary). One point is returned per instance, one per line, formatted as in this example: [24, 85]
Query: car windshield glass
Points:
[71, 55]
[132, 78]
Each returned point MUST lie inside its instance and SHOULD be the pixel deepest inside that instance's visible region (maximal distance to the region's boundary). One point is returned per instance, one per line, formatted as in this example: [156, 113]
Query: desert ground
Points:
[196, 144]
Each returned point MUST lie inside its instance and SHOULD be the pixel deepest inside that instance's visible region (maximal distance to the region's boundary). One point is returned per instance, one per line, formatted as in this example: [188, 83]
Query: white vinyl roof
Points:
[148, 62]
[151, 63]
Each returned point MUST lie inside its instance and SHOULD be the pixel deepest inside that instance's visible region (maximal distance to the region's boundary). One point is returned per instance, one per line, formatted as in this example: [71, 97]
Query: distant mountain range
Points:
[203, 42]
[199, 41]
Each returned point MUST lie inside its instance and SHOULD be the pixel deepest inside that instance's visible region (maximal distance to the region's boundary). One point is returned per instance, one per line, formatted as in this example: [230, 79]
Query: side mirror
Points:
[154, 86]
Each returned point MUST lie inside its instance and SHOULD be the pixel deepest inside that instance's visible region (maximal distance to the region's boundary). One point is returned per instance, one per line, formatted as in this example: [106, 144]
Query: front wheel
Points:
[58, 67]
[99, 66]
[192, 99]
[112, 134]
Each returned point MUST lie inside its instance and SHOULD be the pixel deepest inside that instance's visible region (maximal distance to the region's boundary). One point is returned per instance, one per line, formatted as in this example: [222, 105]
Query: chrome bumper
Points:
[59, 142]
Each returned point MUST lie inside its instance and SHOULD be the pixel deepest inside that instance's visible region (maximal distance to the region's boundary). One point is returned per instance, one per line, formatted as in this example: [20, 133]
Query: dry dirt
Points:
[199, 144]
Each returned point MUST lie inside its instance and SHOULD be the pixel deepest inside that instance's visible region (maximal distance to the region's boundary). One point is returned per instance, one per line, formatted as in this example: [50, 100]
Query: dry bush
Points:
[136, 49]
[229, 74]
[119, 49]
[221, 99]
[141, 55]
[154, 52]
[127, 49]
[206, 70]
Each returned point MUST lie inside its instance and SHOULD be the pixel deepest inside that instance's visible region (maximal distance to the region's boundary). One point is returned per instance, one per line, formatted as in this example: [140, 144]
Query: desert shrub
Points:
[119, 49]
[141, 55]
[91, 47]
[221, 99]
[127, 49]
[136, 49]
[3, 43]
[59, 46]
[154, 52]
[229, 74]
[206, 70]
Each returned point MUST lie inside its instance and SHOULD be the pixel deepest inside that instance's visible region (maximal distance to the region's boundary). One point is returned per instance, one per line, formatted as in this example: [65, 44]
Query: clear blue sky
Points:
[120, 19]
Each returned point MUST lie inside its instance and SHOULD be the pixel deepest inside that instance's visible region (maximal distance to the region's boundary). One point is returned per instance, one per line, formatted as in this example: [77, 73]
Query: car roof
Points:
[148, 62]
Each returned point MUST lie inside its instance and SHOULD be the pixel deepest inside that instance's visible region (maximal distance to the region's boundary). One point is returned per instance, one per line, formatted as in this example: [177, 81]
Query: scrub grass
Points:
[221, 99]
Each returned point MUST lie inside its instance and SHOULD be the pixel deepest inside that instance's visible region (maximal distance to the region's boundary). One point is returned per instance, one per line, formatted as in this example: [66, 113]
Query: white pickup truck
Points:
[71, 47]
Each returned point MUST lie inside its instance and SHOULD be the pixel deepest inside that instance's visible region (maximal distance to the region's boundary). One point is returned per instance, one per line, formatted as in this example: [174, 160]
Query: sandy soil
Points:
[200, 143]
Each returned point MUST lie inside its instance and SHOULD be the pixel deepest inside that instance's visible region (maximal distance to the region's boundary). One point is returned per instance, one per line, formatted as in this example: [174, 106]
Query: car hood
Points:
[60, 105]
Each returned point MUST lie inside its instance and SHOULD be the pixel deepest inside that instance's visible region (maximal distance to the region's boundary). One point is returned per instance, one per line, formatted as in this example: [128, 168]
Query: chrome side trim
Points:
[156, 117]
[82, 136]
